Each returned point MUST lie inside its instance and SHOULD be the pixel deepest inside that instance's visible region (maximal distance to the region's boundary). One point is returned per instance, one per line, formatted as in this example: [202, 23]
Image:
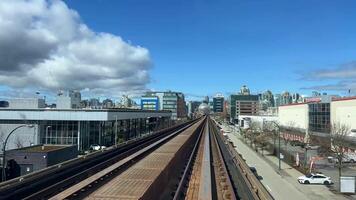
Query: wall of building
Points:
[244, 120]
[150, 103]
[218, 104]
[61, 155]
[295, 115]
[64, 102]
[26, 103]
[344, 112]
[24, 136]
[28, 160]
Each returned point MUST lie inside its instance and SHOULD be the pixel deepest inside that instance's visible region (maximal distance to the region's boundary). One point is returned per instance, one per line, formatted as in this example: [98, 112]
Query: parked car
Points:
[315, 179]
[348, 158]
[297, 143]
[254, 171]
[312, 147]
[96, 147]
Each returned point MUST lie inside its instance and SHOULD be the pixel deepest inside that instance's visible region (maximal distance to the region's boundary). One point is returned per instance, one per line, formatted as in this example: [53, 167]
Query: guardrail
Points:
[253, 188]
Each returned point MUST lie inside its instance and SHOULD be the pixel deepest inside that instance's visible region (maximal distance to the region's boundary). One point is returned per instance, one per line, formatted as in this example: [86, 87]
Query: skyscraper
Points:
[218, 103]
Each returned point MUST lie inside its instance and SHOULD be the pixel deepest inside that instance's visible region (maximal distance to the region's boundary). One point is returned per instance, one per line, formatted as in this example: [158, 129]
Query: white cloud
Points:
[43, 44]
[341, 78]
[343, 71]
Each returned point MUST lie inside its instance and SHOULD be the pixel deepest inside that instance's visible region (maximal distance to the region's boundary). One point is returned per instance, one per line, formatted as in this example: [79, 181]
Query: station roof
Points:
[41, 148]
[79, 114]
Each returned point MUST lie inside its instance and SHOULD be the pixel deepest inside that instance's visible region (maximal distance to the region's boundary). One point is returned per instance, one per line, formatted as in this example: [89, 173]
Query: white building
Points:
[26, 103]
[343, 110]
[294, 115]
[77, 126]
[72, 100]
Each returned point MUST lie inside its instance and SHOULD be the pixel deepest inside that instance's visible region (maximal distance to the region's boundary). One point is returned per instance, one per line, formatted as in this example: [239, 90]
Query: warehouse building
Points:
[81, 127]
[25, 160]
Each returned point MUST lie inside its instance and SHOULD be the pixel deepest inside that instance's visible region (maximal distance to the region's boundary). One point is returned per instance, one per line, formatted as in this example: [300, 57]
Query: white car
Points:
[96, 147]
[315, 179]
[312, 147]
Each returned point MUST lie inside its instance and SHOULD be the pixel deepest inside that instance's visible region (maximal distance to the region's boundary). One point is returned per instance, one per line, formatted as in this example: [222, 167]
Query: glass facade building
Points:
[319, 117]
[80, 127]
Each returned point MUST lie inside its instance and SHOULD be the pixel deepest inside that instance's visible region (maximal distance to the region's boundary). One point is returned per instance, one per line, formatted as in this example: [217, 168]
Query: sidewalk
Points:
[284, 185]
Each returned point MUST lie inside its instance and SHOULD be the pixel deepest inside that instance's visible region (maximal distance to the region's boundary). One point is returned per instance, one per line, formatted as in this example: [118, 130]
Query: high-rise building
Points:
[94, 103]
[244, 90]
[218, 103]
[277, 100]
[181, 110]
[150, 102]
[172, 101]
[126, 101]
[193, 107]
[243, 104]
[286, 98]
[71, 100]
[266, 100]
[206, 100]
[108, 103]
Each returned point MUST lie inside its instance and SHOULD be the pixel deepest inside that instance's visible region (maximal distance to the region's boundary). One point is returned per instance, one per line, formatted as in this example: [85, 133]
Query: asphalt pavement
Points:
[282, 185]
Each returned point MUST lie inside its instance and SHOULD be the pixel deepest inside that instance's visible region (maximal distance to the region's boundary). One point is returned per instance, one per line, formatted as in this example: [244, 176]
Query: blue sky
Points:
[202, 47]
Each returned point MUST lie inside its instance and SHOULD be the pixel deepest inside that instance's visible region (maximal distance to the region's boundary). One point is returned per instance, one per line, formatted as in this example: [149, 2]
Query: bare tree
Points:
[254, 132]
[2, 138]
[262, 140]
[339, 133]
[19, 142]
[271, 130]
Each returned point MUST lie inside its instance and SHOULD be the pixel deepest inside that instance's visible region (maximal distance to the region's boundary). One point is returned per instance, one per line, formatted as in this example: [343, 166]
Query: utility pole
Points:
[116, 130]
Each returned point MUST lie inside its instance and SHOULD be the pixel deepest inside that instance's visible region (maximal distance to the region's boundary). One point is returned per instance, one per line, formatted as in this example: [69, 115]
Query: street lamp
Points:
[47, 133]
[4, 149]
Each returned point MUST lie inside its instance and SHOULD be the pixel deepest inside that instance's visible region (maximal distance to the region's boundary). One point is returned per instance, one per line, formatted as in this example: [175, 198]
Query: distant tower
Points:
[206, 100]
[244, 90]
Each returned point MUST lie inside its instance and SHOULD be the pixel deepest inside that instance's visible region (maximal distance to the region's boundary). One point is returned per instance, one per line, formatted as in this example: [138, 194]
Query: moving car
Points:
[315, 179]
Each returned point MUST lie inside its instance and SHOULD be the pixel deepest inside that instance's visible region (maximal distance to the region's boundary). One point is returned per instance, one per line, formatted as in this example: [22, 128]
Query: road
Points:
[280, 186]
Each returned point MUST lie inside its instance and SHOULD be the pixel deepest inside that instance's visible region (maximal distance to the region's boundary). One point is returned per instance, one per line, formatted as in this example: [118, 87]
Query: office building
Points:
[171, 101]
[243, 104]
[150, 102]
[218, 103]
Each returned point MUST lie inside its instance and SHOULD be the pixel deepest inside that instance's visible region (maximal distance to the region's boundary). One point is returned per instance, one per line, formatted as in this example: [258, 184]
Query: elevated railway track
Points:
[189, 161]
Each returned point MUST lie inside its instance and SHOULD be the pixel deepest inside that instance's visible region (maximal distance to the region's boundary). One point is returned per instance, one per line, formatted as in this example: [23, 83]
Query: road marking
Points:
[269, 189]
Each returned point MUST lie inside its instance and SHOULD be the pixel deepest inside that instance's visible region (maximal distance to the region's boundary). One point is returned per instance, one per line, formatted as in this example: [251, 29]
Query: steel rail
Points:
[222, 178]
[30, 184]
[89, 185]
[205, 187]
[179, 192]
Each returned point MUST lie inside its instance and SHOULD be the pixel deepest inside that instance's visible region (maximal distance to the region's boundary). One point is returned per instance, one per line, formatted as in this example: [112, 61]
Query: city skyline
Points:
[219, 45]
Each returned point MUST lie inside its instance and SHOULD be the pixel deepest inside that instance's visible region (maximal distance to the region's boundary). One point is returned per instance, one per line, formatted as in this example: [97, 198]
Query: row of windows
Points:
[320, 107]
